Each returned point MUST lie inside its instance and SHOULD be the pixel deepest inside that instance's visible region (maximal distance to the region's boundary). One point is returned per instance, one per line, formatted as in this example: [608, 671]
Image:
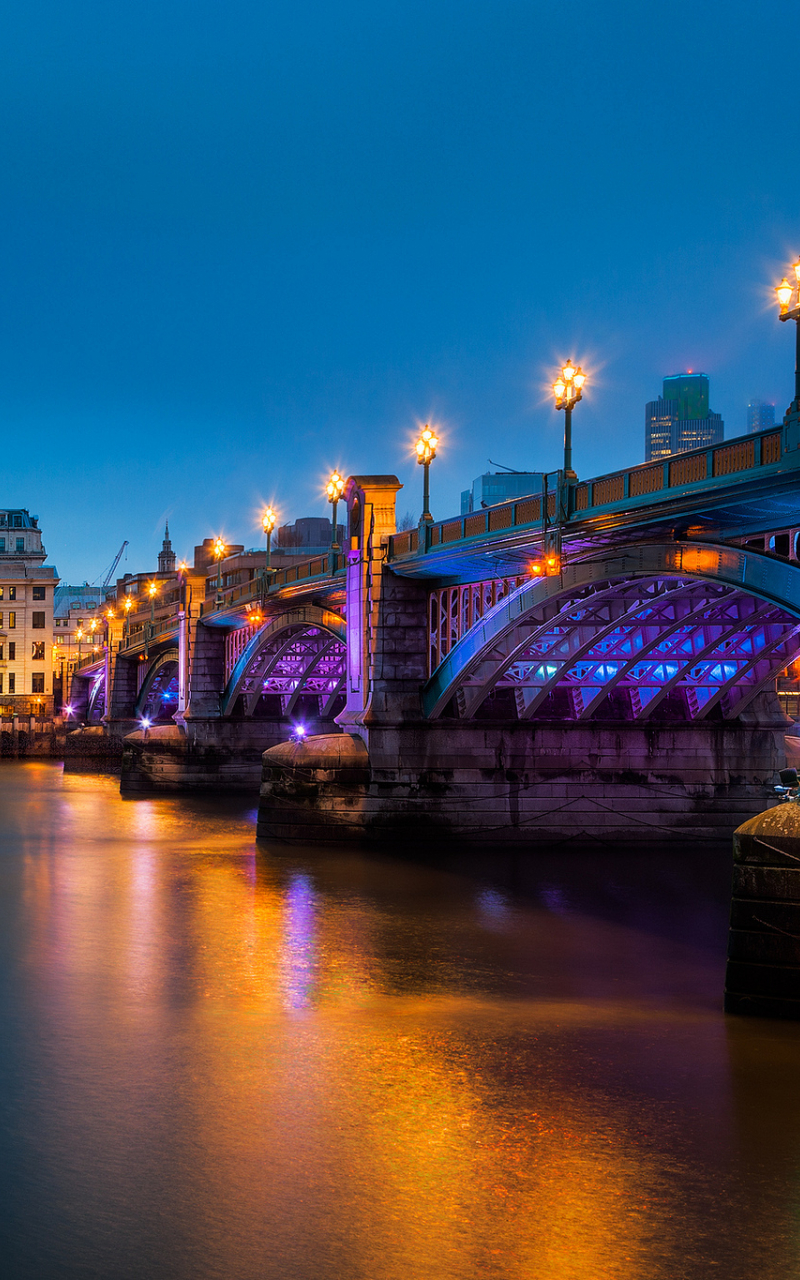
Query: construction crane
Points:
[114, 564]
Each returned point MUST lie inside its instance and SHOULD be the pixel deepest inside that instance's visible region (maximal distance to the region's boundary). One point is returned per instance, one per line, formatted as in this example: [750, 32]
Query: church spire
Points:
[166, 556]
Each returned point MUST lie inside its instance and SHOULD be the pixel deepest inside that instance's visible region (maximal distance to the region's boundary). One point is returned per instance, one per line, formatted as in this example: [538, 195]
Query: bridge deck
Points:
[727, 491]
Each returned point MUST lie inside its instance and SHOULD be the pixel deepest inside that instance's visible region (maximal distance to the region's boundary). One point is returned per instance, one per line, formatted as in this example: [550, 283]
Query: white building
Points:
[27, 589]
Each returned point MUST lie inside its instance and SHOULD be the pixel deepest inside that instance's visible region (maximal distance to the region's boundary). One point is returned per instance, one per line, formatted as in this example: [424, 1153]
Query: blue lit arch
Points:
[693, 626]
[302, 652]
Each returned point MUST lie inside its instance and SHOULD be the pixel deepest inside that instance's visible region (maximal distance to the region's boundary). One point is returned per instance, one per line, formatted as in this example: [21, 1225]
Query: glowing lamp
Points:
[558, 388]
[784, 291]
[335, 487]
[796, 269]
[152, 589]
[268, 520]
[536, 570]
[579, 378]
[568, 372]
[426, 446]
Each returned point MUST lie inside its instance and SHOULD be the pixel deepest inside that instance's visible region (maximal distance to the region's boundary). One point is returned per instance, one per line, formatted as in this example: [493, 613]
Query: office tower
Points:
[760, 416]
[499, 486]
[680, 418]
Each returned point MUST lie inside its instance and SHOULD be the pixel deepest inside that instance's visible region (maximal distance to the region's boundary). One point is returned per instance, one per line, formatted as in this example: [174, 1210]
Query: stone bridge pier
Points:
[409, 766]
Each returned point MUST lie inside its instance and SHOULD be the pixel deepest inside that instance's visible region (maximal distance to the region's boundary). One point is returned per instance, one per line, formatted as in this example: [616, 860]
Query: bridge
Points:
[598, 660]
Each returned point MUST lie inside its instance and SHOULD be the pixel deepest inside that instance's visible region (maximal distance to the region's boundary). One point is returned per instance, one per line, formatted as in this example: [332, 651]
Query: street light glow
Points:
[784, 291]
[335, 487]
[219, 548]
[268, 520]
[426, 446]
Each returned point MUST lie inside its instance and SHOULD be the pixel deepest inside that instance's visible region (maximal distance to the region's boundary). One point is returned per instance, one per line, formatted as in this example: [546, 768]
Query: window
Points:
[1, 682]
[16, 522]
[37, 682]
[12, 650]
[38, 593]
[1, 657]
[38, 621]
[12, 682]
[12, 620]
[37, 650]
[20, 545]
[79, 622]
[12, 593]
[2, 546]
[2, 592]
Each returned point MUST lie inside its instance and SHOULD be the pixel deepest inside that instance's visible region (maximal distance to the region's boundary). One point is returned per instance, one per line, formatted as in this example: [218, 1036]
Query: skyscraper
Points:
[760, 415]
[680, 419]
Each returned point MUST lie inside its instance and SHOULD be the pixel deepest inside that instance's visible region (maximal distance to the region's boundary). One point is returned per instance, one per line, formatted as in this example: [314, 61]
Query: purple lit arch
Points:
[679, 630]
[300, 654]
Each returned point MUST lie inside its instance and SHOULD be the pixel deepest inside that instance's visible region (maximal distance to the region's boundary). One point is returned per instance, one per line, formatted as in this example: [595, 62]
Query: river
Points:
[223, 1060]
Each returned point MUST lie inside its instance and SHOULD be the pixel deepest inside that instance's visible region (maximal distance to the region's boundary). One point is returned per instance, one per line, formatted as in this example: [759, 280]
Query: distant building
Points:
[499, 486]
[760, 416]
[166, 556]
[310, 535]
[680, 419]
[27, 593]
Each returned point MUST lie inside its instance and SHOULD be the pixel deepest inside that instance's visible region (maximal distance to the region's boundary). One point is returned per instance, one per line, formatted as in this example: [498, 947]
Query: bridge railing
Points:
[306, 570]
[635, 486]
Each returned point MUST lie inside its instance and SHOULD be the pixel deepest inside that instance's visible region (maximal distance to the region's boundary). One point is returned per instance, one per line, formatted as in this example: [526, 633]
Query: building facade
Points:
[27, 597]
[760, 416]
[680, 418]
[499, 486]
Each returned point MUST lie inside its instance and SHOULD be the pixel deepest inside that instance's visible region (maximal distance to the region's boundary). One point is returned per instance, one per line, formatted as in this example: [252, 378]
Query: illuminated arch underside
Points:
[700, 625]
[301, 653]
[157, 682]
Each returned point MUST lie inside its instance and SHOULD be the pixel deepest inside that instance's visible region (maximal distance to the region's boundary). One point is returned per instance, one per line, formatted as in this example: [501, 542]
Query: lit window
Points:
[12, 593]
[37, 650]
[12, 621]
[39, 593]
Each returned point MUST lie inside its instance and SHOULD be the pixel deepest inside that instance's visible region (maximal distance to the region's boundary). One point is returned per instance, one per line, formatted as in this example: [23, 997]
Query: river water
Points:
[226, 1061]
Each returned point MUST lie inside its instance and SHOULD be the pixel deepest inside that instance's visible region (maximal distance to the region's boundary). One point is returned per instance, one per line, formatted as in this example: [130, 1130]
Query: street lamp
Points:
[268, 524]
[334, 489]
[127, 605]
[218, 550]
[152, 591]
[785, 290]
[426, 452]
[79, 635]
[568, 390]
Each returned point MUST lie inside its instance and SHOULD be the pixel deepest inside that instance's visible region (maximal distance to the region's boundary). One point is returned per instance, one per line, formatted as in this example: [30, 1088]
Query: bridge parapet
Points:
[635, 492]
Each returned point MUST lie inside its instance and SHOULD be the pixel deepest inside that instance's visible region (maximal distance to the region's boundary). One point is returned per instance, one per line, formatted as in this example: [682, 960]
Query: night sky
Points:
[243, 243]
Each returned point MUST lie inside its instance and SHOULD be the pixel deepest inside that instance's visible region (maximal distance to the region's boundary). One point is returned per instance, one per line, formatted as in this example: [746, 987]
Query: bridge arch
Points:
[159, 686]
[689, 629]
[302, 652]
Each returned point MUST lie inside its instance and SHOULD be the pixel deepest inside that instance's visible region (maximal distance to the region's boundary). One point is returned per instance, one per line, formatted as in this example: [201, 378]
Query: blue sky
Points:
[243, 243]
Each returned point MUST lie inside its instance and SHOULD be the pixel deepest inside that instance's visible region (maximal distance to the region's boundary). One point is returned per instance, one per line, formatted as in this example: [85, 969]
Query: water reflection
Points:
[239, 1063]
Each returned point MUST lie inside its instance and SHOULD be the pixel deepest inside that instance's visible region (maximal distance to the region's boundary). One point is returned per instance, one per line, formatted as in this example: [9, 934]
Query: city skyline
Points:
[230, 244]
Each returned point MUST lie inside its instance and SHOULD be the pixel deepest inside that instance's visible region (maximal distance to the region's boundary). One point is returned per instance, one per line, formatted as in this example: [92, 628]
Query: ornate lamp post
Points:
[334, 489]
[219, 553]
[268, 524]
[152, 591]
[127, 606]
[785, 292]
[426, 452]
[568, 390]
[79, 637]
